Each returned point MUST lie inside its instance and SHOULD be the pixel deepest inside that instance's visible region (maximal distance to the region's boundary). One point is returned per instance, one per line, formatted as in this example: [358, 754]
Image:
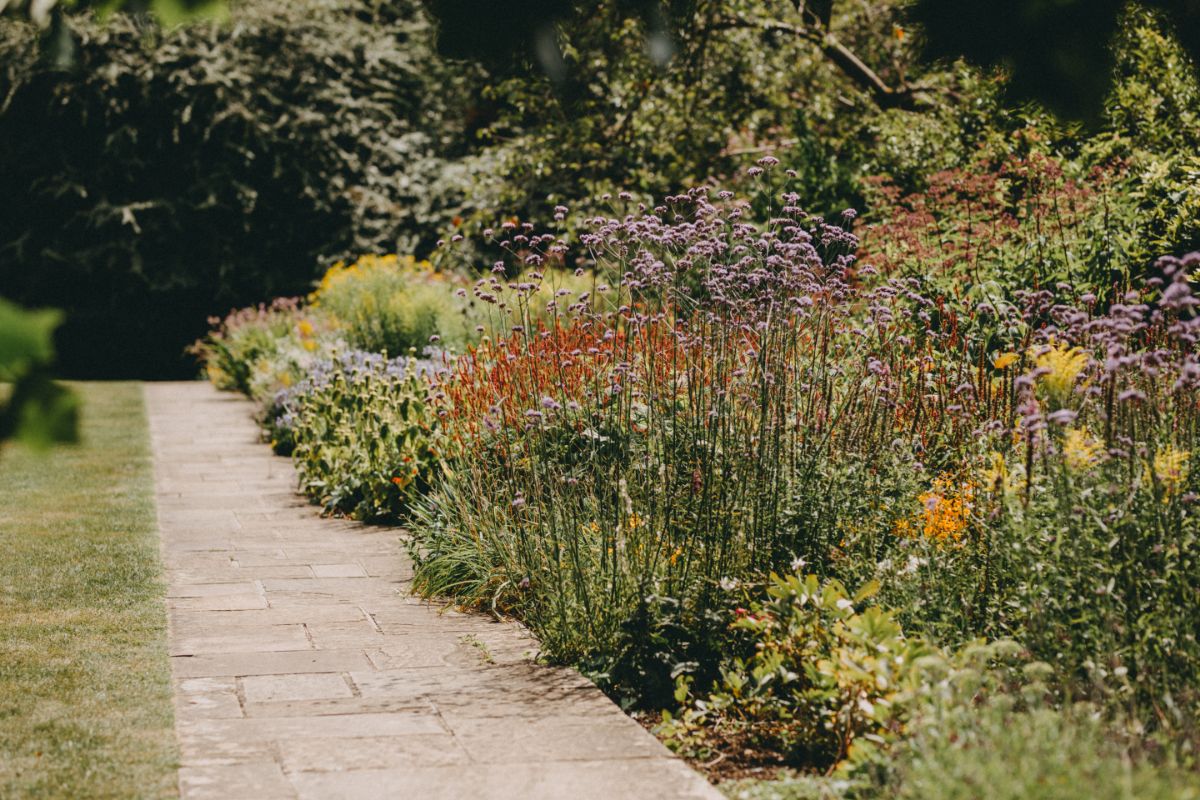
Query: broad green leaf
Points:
[26, 339]
[46, 413]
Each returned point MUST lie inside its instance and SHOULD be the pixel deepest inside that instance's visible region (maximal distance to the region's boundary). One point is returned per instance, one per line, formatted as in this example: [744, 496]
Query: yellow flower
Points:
[1063, 365]
[995, 477]
[1171, 466]
[1080, 450]
[1018, 433]
[945, 510]
[340, 271]
[305, 328]
[1004, 360]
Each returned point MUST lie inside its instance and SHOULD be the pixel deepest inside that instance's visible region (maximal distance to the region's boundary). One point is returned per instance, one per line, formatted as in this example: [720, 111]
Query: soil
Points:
[737, 758]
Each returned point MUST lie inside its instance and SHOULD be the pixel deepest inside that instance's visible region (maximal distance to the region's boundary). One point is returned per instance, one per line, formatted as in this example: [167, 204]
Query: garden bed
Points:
[804, 513]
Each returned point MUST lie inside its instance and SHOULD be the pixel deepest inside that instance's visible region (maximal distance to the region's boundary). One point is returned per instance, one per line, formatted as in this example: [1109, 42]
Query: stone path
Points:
[303, 669]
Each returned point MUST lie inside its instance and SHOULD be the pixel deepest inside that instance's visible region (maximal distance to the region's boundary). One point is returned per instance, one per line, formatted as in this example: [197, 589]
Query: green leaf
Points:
[869, 590]
[38, 412]
[46, 413]
[26, 340]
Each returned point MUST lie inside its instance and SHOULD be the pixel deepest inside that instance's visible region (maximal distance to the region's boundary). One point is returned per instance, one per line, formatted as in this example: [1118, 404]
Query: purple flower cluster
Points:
[355, 368]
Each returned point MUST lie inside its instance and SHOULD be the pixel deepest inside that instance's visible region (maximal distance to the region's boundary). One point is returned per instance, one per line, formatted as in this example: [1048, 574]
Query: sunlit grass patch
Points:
[85, 694]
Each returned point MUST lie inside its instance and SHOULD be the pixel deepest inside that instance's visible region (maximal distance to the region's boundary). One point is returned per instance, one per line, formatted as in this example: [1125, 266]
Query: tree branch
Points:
[906, 97]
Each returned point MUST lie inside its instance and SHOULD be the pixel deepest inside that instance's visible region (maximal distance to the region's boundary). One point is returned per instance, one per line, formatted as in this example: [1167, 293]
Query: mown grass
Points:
[85, 694]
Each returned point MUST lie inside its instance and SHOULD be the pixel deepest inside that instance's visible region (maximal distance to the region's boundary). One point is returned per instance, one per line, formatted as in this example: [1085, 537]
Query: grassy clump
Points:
[85, 692]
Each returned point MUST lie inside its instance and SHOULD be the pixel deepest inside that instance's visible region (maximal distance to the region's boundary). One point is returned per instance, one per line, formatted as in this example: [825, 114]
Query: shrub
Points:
[362, 435]
[173, 173]
[1028, 221]
[231, 352]
[990, 751]
[821, 676]
[390, 305]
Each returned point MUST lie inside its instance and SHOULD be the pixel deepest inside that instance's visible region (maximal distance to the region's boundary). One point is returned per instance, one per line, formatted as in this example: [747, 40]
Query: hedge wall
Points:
[171, 174]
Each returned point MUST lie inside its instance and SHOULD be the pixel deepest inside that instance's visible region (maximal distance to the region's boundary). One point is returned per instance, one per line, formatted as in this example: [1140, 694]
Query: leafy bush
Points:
[821, 676]
[173, 173]
[738, 84]
[357, 423]
[233, 349]
[362, 435]
[376, 304]
[391, 305]
[990, 751]
[990, 229]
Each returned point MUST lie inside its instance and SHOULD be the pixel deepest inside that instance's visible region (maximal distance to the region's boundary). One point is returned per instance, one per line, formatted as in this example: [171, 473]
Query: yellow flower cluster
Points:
[307, 332]
[1005, 360]
[945, 511]
[342, 271]
[1171, 468]
[1081, 450]
[1063, 365]
[947, 508]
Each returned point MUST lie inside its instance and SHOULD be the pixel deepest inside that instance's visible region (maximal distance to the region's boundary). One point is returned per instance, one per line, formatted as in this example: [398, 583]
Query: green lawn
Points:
[85, 694]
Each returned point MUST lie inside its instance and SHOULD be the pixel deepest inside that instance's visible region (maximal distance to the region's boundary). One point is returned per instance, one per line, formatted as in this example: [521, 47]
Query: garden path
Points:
[303, 668]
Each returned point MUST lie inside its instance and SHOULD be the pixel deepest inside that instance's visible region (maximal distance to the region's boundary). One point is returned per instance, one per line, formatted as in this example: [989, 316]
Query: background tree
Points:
[1058, 53]
[172, 173]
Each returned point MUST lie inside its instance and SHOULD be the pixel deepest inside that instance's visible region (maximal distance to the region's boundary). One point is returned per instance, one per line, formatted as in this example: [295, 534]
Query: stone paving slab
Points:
[303, 668]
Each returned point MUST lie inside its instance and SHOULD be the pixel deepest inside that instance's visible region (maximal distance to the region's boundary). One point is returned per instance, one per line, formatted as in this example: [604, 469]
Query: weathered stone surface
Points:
[303, 667]
[268, 663]
[318, 686]
[224, 602]
[211, 589]
[258, 779]
[207, 698]
[339, 571]
[340, 726]
[371, 752]
[632, 779]
[335, 706]
[578, 737]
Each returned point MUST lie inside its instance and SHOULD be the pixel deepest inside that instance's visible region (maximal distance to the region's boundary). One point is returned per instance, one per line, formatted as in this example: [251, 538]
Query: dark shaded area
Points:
[524, 38]
[505, 35]
[172, 175]
[140, 233]
[1059, 53]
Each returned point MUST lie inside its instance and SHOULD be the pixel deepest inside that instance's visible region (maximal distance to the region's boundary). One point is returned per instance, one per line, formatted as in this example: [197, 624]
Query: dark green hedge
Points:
[173, 174]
